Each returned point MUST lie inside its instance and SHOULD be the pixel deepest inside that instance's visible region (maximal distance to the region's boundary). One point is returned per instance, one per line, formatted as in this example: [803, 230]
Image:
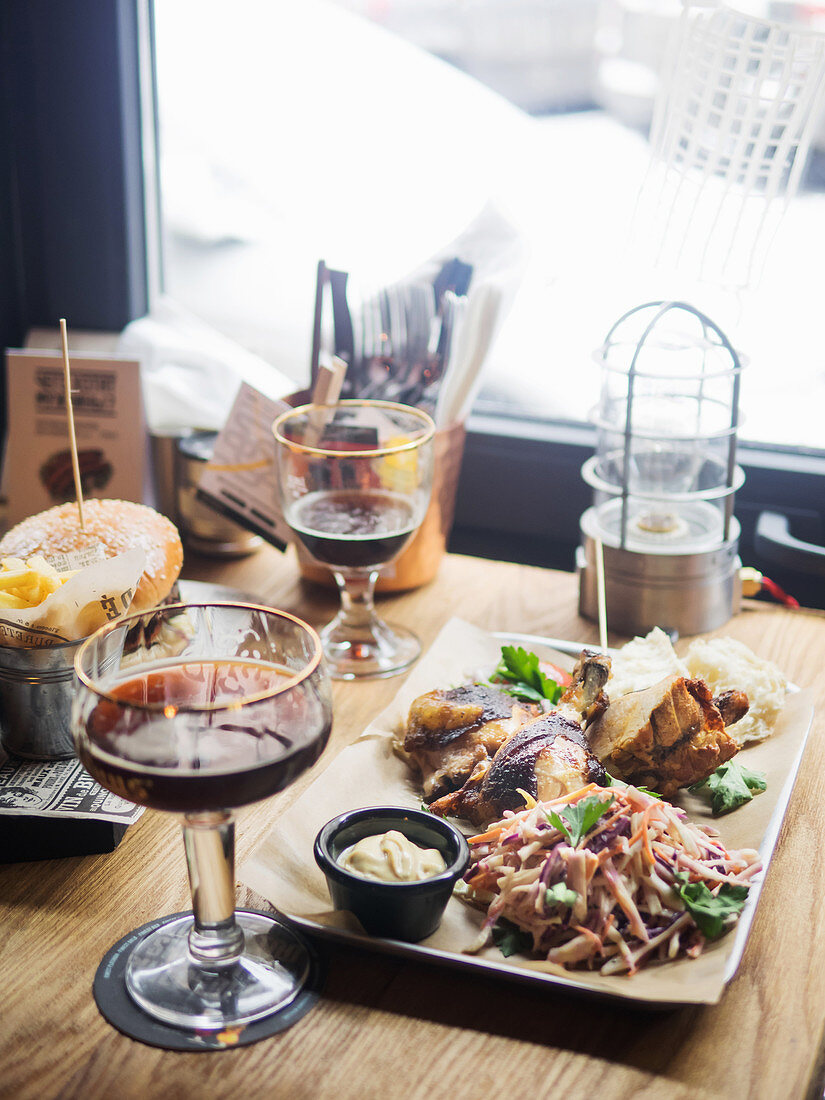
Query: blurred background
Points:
[177, 169]
[373, 133]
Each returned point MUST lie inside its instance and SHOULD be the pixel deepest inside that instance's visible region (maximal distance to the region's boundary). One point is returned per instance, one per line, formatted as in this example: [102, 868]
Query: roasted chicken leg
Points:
[668, 736]
[547, 757]
[451, 731]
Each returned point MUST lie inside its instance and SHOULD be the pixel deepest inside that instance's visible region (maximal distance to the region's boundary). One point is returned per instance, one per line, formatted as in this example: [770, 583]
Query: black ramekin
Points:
[408, 911]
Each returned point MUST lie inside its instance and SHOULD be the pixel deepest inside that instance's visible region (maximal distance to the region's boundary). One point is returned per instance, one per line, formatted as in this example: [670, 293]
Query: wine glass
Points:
[355, 481]
[198, 709]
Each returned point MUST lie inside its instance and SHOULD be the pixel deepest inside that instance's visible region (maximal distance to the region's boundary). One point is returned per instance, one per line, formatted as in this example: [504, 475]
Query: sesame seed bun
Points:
[118, 525]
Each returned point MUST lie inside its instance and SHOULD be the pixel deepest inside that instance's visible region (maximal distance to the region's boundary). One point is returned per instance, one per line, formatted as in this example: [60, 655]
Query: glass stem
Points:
[215, 940]
[357, 603]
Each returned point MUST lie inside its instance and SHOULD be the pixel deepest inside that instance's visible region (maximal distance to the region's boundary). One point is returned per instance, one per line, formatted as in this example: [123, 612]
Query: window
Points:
[321, 133]
[331, 134]
[316, 135]
[293, 132]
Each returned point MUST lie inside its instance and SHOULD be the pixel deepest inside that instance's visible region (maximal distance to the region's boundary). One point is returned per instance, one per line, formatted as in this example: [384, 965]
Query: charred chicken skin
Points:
[547, 757]
[450, 732]
[478, 749]
[668, 736]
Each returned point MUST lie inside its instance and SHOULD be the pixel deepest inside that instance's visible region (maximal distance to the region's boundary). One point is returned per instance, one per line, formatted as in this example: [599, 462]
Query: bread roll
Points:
[118, 525]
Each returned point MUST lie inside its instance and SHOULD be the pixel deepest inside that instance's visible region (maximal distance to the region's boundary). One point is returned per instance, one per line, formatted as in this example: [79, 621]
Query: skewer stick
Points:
[326, 391]
[602, 602]
[64, 340]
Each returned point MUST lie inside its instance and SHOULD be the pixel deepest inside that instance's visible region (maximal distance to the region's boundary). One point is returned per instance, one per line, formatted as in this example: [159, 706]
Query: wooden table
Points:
[391, 1028]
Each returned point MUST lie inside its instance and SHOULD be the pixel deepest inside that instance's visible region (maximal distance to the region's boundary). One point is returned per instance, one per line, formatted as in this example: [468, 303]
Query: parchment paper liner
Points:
[95, 594]
[370, 773]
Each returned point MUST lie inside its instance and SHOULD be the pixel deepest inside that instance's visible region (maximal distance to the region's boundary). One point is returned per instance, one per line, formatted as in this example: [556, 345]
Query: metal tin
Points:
[205, 530]
[689, 593]
[36, 689]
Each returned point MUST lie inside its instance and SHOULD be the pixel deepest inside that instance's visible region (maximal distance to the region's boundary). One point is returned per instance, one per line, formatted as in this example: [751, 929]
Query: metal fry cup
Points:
[36, 686]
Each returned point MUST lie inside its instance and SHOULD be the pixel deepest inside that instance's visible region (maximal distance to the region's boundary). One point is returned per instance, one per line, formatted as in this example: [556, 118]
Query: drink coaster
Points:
[118, 1008]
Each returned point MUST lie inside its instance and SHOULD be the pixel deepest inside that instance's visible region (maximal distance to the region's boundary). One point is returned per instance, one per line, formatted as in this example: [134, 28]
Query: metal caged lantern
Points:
[664, 475]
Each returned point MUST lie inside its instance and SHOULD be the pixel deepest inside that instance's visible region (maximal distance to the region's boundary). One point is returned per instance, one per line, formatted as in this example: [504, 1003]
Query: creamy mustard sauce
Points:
[391, 857]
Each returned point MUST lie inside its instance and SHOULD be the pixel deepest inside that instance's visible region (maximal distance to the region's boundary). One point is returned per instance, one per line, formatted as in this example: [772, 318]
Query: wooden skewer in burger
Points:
[67, 374]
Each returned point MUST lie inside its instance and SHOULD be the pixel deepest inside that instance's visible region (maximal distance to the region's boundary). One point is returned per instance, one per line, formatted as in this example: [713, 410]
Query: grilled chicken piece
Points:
[449, 732]
[665, 737]
[732, 705]
[585, 699]
[546, 758]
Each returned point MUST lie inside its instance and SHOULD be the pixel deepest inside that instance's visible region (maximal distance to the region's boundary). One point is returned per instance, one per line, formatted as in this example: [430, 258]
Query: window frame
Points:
[521, 496]
[72, 138]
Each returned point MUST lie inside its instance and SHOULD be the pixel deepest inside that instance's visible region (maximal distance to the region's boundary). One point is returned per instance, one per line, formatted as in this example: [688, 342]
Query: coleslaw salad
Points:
[609, 878]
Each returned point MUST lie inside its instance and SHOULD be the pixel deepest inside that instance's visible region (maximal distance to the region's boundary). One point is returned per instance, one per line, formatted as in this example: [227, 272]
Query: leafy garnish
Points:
[560, 894]
[511, 940]
[710, 911]
[612, 781]
[730, 786]
[578, 819]
[523, 678]
[648, 791]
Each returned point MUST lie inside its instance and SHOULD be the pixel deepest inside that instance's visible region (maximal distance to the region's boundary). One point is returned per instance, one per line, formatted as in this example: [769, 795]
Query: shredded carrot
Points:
[621, 911]
[529, 801]
[597, 940]
[491, 834]
[610, 850]
[565, 799]
[643, 833]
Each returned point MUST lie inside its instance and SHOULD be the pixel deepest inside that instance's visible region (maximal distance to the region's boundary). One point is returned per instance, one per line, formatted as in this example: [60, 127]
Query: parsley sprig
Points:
[730, 786]
[576, 821]
[710, 911]
[520, 673]
[559, 894]
[612, 781]
[511, 940]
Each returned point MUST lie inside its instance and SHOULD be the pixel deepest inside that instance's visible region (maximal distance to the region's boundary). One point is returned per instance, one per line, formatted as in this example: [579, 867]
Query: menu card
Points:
[109, 424]
[240, 480]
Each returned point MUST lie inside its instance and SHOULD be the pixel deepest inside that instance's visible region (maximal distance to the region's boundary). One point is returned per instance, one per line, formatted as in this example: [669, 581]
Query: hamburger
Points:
[116, 525]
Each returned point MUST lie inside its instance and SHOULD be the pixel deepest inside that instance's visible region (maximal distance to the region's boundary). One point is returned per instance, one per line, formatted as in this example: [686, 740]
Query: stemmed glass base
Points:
[383, 650]
[357, 644]
[217, 968]
[197, 710]
[163, 979]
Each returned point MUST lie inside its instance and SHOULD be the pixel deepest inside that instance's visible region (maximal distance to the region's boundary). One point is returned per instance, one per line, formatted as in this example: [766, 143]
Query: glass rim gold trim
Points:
[375, 452]
[203, 708]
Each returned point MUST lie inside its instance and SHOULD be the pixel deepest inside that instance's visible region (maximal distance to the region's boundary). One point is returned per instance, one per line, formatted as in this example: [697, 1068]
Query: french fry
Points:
[9, 601]
[28, 583]
[18, 578]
